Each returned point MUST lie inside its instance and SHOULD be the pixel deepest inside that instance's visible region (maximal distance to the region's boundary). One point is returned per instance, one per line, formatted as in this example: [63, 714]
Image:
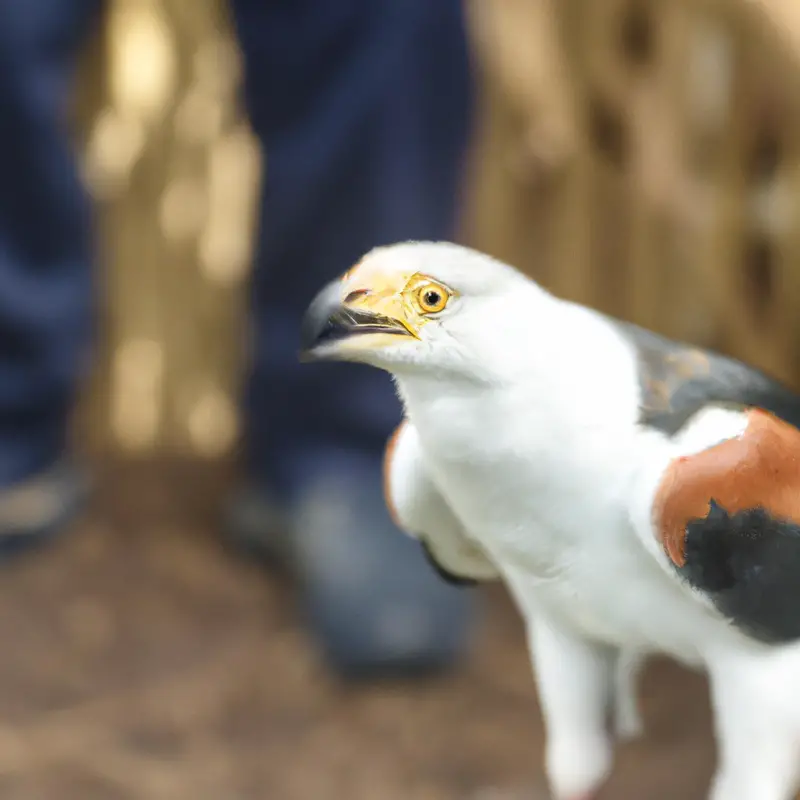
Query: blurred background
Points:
[641, 156]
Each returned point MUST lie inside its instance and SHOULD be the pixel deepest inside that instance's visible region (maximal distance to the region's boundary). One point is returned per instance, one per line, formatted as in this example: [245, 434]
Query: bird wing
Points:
[420, 510]
[728, 517]
[726, 512]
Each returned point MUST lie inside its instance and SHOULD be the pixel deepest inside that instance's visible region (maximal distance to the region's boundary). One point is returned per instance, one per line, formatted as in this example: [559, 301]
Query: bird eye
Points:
[432, 299]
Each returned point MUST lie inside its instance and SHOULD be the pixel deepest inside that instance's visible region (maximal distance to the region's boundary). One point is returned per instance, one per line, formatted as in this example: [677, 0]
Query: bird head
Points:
[422, 306]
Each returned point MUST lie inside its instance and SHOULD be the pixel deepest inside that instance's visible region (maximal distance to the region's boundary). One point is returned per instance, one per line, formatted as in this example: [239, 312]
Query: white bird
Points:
[636, 495]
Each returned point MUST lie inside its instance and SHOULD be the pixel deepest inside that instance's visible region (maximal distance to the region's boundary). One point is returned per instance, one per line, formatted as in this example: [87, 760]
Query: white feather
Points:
[421, 510]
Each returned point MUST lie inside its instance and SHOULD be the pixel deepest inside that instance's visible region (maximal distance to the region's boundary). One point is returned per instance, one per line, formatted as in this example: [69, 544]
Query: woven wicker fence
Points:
[641, 156]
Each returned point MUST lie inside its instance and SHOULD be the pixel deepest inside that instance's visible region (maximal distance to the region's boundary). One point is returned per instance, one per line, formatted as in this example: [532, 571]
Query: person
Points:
[363, 108]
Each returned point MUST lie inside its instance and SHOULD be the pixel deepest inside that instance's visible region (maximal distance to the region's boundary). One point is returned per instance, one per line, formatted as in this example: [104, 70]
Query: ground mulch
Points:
[141, 660]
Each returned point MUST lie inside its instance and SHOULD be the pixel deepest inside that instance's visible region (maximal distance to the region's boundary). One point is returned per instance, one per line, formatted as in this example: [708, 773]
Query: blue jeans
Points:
[363, 108]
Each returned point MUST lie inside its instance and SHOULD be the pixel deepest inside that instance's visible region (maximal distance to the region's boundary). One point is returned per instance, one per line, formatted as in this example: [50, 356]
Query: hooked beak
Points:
[332, 327]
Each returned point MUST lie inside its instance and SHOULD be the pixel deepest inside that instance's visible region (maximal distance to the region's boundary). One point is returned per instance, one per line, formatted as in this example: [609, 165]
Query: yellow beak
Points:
[334, 326]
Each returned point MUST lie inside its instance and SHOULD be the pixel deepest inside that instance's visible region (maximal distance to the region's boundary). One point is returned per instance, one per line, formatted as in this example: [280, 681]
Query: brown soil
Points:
[142, 660]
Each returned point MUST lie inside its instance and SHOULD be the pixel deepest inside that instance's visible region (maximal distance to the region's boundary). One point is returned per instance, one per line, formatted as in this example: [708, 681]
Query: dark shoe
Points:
[37, 510]
[255, 527]
[372, 601]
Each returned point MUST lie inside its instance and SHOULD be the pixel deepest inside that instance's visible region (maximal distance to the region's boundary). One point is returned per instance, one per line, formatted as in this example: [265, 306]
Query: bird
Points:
[636, 496]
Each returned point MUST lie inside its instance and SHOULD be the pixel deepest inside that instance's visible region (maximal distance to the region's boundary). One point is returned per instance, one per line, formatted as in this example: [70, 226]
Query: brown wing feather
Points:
[760, 468]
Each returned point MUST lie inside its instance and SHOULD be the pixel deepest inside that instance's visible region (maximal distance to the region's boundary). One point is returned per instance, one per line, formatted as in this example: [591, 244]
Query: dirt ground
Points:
[141, 660]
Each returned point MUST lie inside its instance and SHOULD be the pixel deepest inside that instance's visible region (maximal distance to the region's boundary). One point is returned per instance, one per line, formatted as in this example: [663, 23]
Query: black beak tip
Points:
[311, 331]
[317, 324]
[326, 321]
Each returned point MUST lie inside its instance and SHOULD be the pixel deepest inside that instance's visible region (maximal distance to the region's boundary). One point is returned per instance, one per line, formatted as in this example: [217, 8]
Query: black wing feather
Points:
[445, 574]
[749, 565]
[677, 380]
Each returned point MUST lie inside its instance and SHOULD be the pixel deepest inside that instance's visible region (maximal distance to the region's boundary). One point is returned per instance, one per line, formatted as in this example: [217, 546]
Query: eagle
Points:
[636, 496]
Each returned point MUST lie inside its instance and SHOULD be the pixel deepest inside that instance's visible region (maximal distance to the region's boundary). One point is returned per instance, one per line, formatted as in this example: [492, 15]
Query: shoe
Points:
[373, 603]
[255, 527]
[39, 509]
